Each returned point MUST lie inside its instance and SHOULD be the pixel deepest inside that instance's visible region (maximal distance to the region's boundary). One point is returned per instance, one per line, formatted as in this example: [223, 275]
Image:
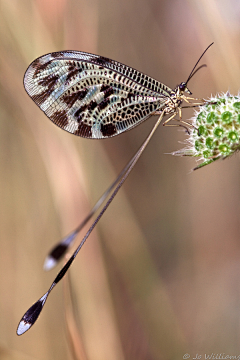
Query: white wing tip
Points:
[23, 327]
[49, 263]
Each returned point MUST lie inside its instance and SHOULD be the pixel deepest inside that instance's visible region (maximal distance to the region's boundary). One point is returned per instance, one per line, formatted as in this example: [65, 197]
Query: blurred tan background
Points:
[160, 276]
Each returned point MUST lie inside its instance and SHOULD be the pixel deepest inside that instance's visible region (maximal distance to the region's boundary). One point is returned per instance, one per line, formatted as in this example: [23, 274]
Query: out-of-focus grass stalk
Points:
[225, 65]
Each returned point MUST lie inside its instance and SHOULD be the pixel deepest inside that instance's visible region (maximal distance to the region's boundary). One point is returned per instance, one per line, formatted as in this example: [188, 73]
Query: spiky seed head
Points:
[216, 130]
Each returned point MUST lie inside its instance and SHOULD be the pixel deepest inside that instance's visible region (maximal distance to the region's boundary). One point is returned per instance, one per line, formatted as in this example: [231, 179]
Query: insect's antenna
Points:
[194, 72]
[200, 67]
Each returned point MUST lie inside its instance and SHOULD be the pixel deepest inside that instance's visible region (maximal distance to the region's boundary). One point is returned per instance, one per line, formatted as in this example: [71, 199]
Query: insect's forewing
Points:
[92, 96]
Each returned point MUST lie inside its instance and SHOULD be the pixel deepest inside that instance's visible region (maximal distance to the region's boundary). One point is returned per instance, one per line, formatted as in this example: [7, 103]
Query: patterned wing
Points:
[92, 96]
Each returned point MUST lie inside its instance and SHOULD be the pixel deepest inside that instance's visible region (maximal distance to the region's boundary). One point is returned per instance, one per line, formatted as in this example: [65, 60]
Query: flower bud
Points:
[215, 130]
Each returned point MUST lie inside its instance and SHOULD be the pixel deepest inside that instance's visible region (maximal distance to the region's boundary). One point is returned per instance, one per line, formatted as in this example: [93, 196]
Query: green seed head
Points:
[215, 132]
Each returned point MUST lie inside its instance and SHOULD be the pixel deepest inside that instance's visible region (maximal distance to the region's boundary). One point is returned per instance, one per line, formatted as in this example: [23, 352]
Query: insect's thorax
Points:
[176, 98]
[173, 102]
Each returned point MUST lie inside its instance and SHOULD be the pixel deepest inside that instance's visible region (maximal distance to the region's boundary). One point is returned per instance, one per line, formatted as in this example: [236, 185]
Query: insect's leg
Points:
[169, 119]
[179, 125]
[192, 106]
[181, 121]
[193, 101]
[186, 124]
[187, 99]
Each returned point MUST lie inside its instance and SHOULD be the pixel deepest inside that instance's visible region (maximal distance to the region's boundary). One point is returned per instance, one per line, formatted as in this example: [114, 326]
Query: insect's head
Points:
[183, 88]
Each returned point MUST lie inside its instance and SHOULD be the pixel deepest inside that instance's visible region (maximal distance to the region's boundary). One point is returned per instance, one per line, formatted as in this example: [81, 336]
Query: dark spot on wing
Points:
[101, 61]
[39, 67]
[70, 99]
[63, 271]
[108, 92]
[104, 87]
[84, 130]
[73, 71]
[58, 251]
[40, 98]
[92, 105]
[49, 82]
[79, 112]
[108, 130]
[57, 54]
[103, 104]
[59, 118]
[32, 314]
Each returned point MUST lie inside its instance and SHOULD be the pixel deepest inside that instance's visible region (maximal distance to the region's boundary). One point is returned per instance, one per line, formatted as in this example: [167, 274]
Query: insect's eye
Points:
[182, 86]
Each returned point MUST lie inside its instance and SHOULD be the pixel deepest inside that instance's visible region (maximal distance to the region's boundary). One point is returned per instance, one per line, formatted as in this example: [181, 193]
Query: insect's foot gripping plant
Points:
[215, 133]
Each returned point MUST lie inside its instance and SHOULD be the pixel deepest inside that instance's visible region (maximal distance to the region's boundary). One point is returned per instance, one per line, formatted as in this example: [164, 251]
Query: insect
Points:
[95, 97]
